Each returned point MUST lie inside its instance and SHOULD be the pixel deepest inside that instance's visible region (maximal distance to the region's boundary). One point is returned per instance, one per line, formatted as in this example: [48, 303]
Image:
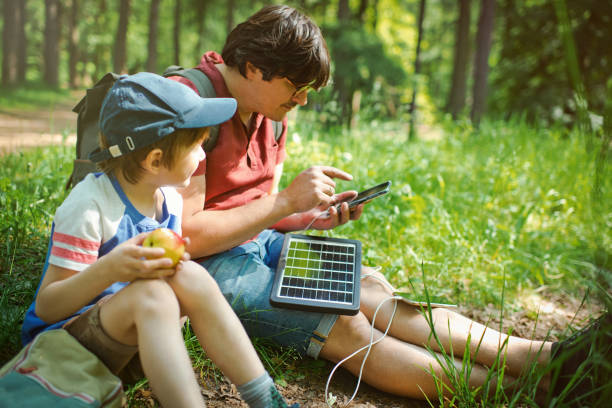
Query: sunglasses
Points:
[300, 88]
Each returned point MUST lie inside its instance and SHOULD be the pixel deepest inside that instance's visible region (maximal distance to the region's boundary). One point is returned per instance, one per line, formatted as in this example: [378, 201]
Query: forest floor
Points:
[21, 129]
[56, 124]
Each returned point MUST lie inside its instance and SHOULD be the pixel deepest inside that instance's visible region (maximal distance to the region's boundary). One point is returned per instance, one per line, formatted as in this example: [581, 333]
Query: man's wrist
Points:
[284, 204]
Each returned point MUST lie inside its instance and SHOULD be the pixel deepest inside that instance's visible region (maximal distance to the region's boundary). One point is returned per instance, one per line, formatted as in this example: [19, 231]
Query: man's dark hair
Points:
[281, 42]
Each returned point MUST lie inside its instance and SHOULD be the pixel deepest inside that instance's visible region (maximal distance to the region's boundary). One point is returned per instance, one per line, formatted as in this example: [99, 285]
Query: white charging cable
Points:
[314, 219]
[370, 345]
[372, 342]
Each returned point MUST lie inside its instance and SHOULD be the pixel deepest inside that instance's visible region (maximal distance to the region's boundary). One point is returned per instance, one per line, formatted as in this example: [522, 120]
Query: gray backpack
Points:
[88, 111]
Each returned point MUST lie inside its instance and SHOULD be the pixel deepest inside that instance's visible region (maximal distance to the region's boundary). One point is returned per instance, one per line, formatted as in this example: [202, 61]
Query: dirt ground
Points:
[57, 124]
[555, 313]
[25, 129]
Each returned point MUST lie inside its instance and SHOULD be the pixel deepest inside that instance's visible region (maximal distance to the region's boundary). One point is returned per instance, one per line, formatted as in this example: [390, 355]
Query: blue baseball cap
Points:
[143, 108]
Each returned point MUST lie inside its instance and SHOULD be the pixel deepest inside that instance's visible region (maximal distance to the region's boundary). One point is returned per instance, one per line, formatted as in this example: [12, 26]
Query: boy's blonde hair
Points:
[172, 147]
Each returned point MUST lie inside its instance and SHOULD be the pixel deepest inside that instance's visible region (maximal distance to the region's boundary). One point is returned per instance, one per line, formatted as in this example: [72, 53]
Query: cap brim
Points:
[209, 112]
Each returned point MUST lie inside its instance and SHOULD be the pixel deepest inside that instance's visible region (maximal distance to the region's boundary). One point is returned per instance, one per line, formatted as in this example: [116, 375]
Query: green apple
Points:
[169, 240]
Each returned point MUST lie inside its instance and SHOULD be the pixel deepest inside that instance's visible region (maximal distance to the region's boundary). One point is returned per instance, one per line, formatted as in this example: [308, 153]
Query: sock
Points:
[261, 393]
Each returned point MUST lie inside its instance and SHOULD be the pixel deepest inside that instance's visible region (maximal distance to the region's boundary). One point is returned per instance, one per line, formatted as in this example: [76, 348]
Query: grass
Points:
[474, 207]
[489, 215]
[33, 95]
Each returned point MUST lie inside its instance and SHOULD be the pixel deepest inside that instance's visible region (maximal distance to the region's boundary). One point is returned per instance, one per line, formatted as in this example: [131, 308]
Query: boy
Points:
[117, 297]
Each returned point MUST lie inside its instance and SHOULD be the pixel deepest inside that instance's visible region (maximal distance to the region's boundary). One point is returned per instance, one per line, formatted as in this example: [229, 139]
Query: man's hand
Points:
[331, 217]
[130, 261]
[313, 187]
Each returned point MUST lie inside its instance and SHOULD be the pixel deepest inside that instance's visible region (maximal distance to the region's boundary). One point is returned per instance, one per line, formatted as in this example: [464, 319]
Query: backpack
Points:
[55, 370]
[88, 111]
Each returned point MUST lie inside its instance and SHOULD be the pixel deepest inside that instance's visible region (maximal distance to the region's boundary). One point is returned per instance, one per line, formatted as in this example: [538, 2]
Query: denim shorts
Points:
[245, 275]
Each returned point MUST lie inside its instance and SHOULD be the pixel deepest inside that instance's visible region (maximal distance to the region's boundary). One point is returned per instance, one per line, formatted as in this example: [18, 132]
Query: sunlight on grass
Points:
[492, 217]
[32, 96]
[509, 199]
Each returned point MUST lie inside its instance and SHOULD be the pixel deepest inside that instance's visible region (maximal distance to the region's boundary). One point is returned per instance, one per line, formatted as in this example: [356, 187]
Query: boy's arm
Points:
[63, 291]
[211, 232]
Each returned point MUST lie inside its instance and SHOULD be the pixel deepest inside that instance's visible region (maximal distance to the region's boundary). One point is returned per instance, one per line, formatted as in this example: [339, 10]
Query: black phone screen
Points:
[367, 195]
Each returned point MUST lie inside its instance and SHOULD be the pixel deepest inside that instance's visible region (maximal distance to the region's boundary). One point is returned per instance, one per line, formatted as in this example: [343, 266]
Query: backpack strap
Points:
[88, 111]
[206, 90]
[278, 129]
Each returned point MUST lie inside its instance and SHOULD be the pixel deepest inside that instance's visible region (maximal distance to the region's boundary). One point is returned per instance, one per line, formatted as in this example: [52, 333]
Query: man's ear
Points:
[153, 161]
[251, 70]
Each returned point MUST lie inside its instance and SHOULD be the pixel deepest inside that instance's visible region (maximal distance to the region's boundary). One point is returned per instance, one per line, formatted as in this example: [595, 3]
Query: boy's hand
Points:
[130, 261]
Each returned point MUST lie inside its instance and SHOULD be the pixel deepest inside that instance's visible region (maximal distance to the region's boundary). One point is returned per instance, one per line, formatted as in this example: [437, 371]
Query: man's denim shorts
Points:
[245, 275]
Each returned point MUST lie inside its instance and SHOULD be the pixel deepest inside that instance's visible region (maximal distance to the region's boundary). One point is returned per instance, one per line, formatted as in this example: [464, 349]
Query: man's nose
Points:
[301, 98]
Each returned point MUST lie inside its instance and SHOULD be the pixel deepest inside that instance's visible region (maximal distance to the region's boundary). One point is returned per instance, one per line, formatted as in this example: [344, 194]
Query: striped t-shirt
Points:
[96, 217]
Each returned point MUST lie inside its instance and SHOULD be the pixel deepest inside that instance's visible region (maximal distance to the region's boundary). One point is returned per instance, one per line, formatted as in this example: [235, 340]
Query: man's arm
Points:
[211, 232]
[300, 221]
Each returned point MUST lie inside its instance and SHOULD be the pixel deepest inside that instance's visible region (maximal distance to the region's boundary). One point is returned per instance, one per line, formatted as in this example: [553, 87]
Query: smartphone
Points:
[367, 195]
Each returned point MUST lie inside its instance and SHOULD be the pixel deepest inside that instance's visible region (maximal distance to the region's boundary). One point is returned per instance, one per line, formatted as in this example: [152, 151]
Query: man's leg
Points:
[393, 365]
[453, 329]
[146, 313]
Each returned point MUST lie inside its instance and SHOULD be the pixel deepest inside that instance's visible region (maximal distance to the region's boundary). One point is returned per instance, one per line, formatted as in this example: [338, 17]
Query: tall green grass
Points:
[473, 207]
[31, 188]
[487, 214]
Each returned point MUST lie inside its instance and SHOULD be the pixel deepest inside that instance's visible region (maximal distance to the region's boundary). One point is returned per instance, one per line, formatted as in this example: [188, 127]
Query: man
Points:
[234, 215]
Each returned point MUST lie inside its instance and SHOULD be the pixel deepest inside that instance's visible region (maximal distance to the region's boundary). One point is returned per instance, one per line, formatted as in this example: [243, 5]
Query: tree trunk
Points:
[200, 26]
[22, 44]
[100, 54]
[363, 6]
[9, 46]
[51, 42]
[602, 159]
[456, 100]
[73, 44]
[417, 70]
[231, 5]
[177, 32]
[375, 16]
[345, 95]
[153, 34]
[344, 12]
[120, 54]
[481, 61]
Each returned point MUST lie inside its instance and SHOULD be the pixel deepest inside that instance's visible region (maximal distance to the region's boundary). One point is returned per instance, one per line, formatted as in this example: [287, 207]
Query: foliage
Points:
[527, 77]
[532, 76]
[360, 64]
[31, 188]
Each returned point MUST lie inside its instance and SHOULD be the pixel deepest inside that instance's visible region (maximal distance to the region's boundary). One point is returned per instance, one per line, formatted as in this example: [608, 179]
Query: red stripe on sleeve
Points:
[73, 255]
[75, 241]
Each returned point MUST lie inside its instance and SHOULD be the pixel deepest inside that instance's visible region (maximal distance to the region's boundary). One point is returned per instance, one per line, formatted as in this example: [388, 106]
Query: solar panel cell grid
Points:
[316, 273]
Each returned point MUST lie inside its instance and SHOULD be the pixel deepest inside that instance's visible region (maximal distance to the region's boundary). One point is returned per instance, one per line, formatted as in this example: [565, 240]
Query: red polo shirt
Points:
[241, 166]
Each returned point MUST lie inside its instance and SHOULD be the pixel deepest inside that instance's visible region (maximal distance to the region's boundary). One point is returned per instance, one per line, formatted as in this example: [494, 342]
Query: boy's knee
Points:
[153, 296]
[191, 279]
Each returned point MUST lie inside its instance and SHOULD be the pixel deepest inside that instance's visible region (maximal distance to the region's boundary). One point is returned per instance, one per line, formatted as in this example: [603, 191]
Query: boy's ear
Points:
[152, 161]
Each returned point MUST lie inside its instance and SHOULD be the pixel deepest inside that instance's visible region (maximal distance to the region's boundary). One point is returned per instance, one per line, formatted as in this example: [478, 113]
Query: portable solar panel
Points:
[318, 274]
